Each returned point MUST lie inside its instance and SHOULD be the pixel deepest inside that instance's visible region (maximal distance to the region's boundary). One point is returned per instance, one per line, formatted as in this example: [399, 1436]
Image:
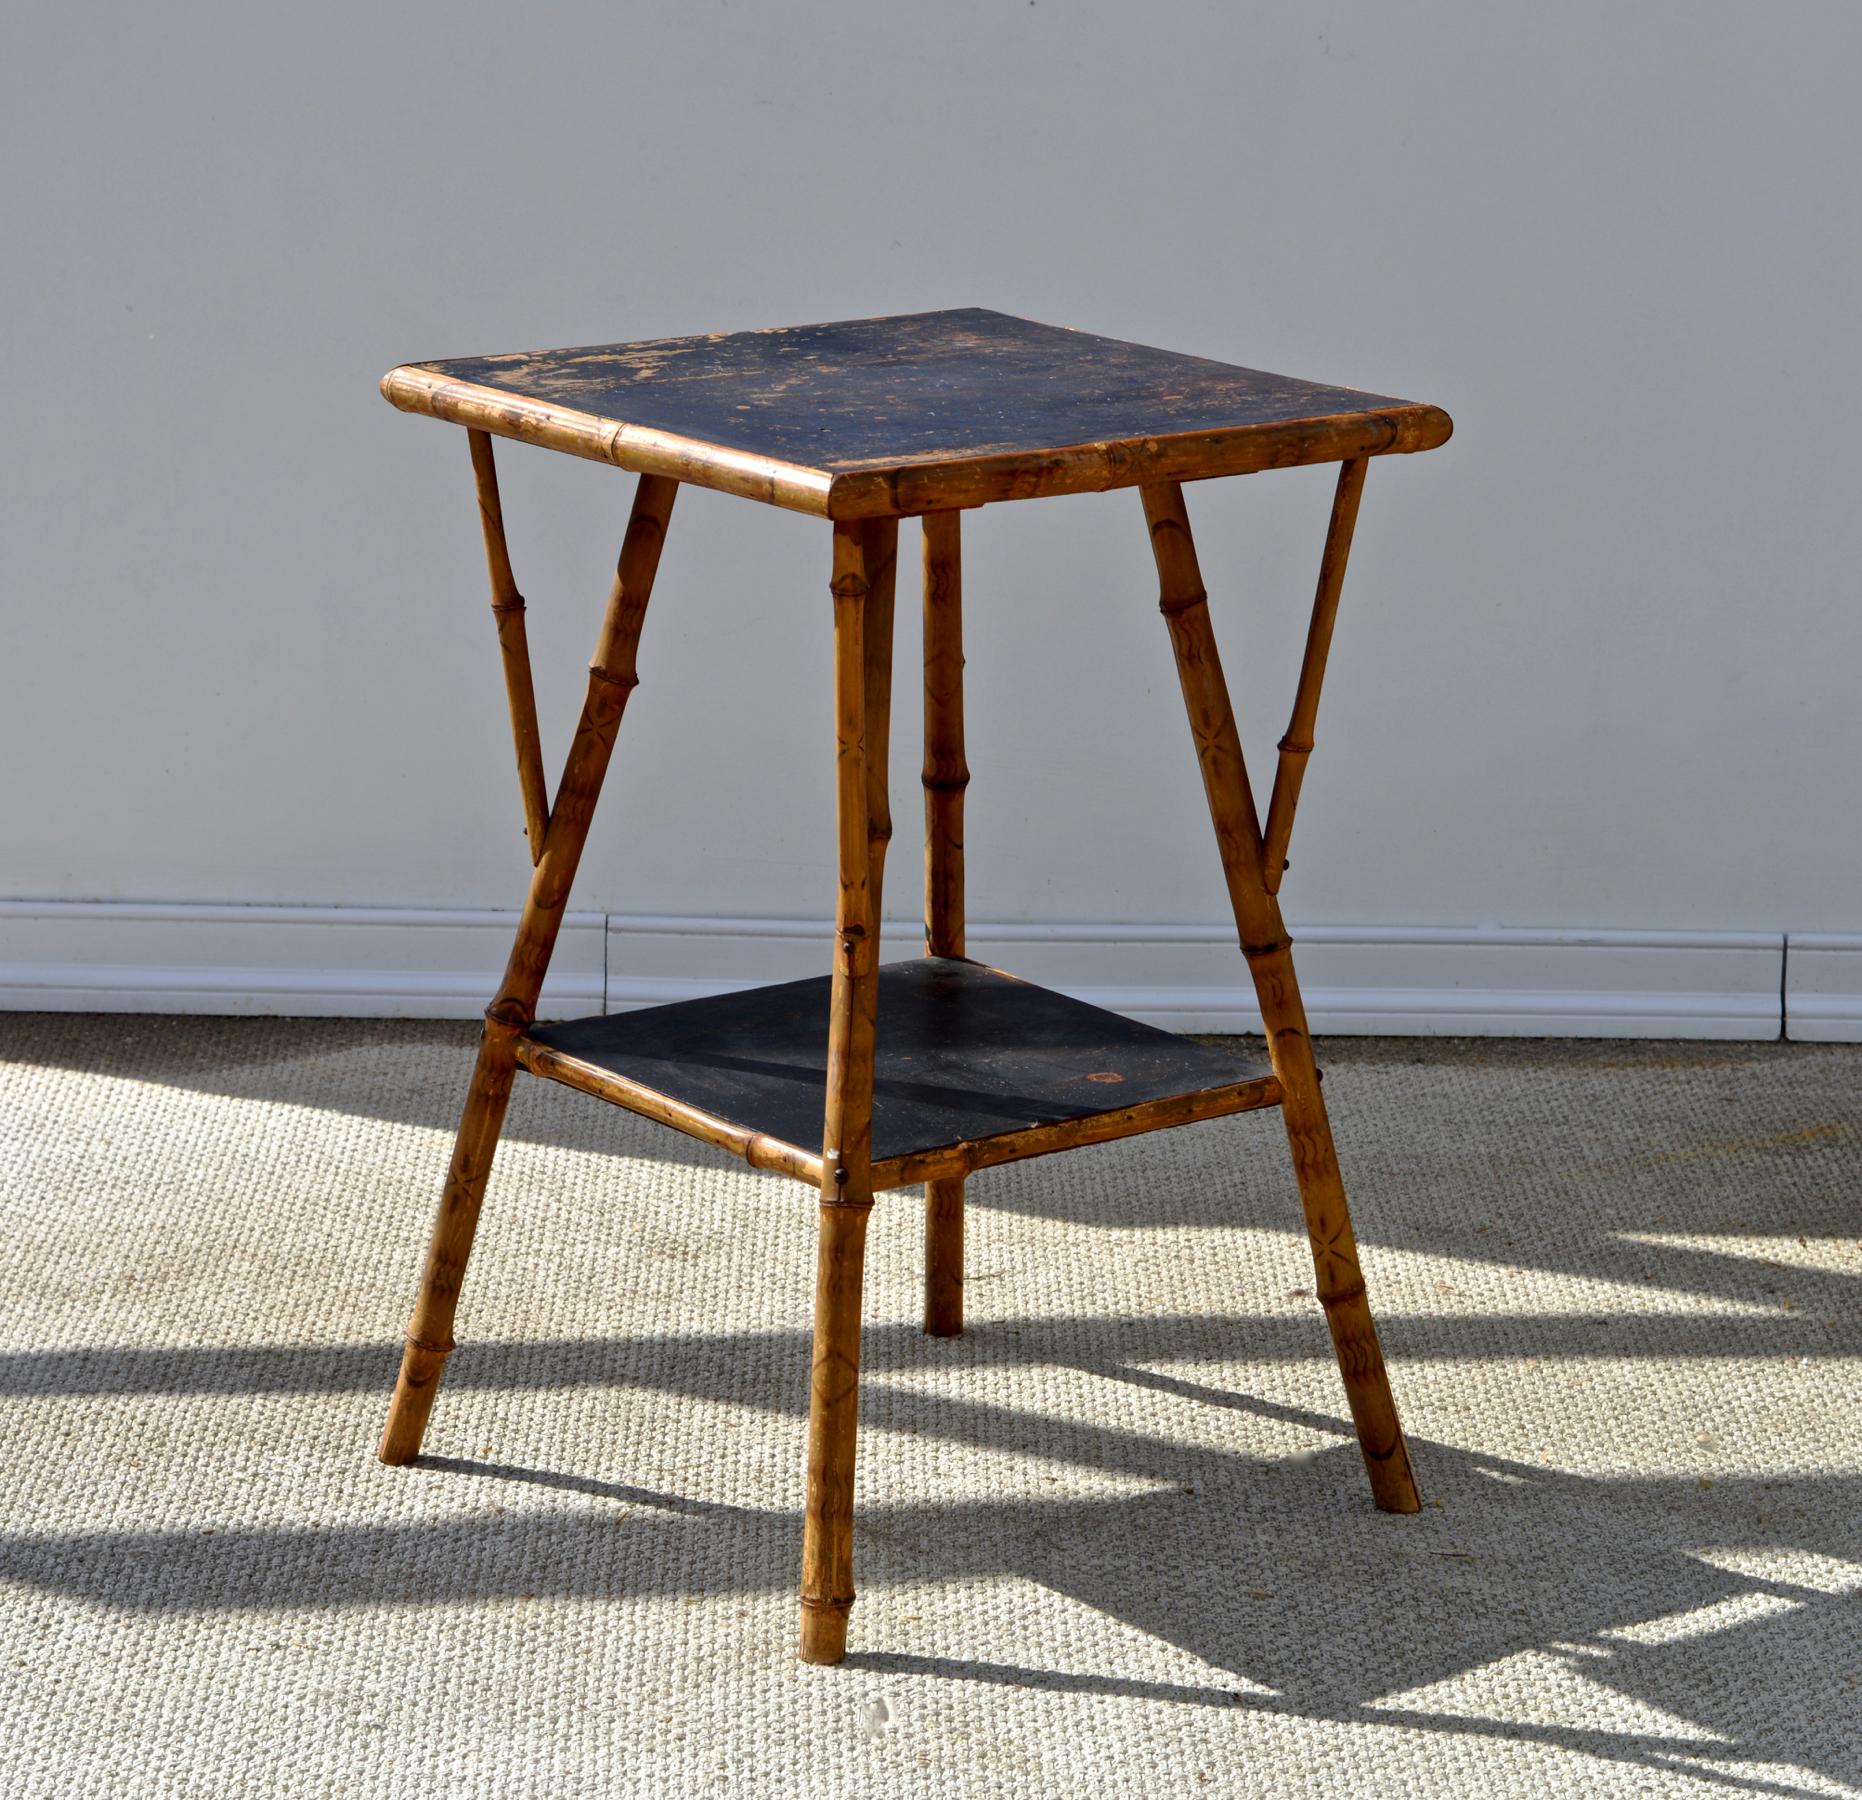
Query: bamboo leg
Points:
[611, 678]
[1296, 746]
[1264, 941]
[946, 775]
[861, 698]
[507, 608]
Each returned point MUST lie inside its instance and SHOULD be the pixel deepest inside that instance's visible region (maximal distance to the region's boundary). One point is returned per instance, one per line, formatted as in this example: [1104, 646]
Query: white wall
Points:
[1599, 659]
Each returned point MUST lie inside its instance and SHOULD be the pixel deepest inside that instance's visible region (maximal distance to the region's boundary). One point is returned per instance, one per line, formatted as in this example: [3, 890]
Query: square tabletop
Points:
[920, 412]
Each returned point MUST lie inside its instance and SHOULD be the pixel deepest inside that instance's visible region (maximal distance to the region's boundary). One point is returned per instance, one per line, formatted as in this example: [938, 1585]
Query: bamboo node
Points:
[508, 1017]
[513, 605]
[838, 1603]
[1292, 747]
[1252, 951]
[626, 681]
[1171, 604]
[430, 1346]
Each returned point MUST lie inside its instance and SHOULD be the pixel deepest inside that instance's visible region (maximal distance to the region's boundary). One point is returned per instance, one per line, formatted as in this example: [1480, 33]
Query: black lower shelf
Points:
[966, 1058]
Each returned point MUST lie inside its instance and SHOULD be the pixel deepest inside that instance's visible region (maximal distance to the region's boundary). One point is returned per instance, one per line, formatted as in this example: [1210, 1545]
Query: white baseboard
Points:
[1357, 980]
[287, 961]
[1435, 980]
[1823, 988]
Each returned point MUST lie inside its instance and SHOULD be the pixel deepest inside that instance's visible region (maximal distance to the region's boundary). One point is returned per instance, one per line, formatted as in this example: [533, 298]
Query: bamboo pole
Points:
[846, 1155]
[1340, 1283]
[934, 1167]
[640, 449]
[928, 486]
[880, 552]
[1296, 746]
[879, 555]
[612, 676]
[757, 1148]
[507, 608]
[946, 775]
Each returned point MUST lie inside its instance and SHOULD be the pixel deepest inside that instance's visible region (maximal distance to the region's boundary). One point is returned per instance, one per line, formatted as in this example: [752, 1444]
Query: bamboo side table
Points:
[864, 423]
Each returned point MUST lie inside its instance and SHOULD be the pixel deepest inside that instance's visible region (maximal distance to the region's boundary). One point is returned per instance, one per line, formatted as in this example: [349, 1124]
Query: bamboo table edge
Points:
[938, 482]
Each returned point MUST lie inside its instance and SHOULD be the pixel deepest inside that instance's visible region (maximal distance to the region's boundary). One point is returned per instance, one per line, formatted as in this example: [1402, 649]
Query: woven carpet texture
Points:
[1115, 1540]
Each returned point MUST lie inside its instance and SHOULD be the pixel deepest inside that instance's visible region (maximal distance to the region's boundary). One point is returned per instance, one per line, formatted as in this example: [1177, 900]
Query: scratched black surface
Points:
[918, 387]
[963, 1053]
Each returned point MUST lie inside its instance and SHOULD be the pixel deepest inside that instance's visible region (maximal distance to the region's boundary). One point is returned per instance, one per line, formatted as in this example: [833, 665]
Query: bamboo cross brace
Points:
[1296, 746]
[946, 775]
[612, 676]
[507, 607]
[1339, 1281]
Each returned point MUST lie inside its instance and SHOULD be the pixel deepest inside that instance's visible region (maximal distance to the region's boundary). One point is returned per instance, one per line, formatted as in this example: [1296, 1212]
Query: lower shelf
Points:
[972, 1067]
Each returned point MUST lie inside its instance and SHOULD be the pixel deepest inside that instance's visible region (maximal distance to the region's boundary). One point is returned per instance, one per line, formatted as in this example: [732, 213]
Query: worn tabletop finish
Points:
[917, 413]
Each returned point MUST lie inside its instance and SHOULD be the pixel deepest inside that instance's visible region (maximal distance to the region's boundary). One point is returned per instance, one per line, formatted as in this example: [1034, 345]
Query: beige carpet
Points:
[1114, 1541]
